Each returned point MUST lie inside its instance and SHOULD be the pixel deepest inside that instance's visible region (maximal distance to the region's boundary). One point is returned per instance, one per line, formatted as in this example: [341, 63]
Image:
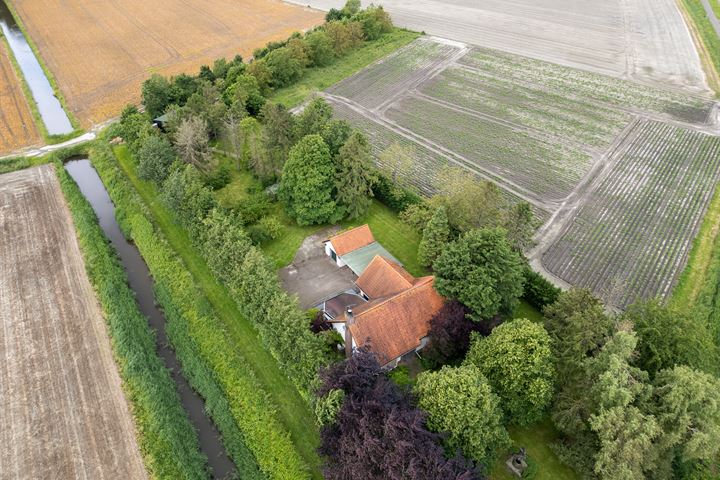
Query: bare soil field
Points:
[640, 39]
[100, 51]
[619, 172]
[17, 127]
[64, 414]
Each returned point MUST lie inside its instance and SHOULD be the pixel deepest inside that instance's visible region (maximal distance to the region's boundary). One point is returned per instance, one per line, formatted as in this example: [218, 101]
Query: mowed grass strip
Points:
[293, 412]
[317, 79]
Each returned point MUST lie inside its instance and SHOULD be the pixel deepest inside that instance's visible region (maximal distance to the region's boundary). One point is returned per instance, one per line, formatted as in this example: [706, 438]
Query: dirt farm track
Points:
[17, 128]
[100, 51]
[63, 411]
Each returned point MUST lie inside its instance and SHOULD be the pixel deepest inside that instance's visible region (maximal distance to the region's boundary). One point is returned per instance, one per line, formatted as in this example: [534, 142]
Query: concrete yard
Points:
[64, 414]
[646, 40]
[312, 275]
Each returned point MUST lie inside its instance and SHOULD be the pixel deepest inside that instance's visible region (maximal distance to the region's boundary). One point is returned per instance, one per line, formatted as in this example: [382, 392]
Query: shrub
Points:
[219, 178]
[538, 291]
[273, 227]
[155, 158]
[258, 234]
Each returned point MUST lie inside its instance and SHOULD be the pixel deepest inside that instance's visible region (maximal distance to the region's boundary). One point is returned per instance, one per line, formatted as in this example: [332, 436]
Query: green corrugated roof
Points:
[359, 259]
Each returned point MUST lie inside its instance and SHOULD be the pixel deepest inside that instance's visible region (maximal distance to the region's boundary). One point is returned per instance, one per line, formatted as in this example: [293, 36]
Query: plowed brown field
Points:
[62, 409]
[100, 51]
[17, 128]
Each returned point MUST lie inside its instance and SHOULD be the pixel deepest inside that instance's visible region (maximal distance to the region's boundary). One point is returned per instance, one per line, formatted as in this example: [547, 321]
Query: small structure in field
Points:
[389, 309]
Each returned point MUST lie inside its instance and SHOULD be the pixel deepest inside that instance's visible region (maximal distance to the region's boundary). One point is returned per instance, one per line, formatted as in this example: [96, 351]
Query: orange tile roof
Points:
[383, 278]
[395, 325]
[351, 240]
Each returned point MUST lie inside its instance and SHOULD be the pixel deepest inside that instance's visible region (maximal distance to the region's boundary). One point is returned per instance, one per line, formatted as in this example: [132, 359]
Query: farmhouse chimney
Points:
[349, 320]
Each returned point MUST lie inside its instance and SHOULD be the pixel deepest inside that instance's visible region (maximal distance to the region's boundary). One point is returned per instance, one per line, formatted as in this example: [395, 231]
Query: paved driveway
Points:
[312, 275]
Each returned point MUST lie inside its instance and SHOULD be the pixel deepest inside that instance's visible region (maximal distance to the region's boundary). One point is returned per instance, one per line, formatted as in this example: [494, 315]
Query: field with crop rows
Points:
[64, 411]
[547, 169]
[557, 138]
[17, 128]
[100, 51]
[396, 73]
[633, 235]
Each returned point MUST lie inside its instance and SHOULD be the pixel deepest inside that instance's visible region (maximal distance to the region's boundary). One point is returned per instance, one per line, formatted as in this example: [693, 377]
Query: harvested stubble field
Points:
[100, 51]
[640, 39]
[64, 412]
[17, 127]
[551, 135]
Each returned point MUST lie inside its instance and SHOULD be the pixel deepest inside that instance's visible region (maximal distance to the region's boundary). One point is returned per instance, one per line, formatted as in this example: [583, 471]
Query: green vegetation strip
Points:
[698, 289]
[238, 336]
[167, 440]
[708, 36]
[317, 79]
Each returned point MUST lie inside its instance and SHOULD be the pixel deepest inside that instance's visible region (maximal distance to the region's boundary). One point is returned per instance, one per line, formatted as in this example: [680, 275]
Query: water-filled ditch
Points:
[54, 117]
[92, 188]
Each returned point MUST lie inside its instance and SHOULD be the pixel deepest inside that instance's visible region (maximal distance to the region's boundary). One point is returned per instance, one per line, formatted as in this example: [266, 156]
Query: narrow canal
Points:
[92, 188]
[54, 117]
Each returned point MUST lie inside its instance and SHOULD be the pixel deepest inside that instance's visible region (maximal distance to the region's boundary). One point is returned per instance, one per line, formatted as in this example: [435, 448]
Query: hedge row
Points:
[235, 399]
[167, 440]
[250, 278]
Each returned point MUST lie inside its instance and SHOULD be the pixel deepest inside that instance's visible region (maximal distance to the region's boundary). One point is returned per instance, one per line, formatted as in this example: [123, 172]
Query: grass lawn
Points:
[317, 79]
[536, 440]
[525, 310]
[292, 410]
[399, 239]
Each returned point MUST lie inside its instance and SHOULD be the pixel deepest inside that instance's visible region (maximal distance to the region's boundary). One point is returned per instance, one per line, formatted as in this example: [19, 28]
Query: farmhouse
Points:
[389, 310]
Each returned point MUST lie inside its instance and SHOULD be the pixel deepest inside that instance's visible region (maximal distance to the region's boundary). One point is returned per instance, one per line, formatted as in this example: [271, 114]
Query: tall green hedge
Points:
[235, 399]
[167, 440]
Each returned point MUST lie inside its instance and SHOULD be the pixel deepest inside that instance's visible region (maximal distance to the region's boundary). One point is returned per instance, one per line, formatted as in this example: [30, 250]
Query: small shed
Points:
[161, 121]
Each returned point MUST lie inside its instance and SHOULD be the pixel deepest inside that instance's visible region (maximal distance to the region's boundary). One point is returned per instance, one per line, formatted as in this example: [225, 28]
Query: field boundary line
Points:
[561, 220]
[446, 153]
[631, 111]
[534, 132]
[436, 70]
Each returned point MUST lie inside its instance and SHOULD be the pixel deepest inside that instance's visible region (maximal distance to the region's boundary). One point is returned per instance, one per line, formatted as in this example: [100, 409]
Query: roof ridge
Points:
[350, 230]
[382, 301]
[392, 267]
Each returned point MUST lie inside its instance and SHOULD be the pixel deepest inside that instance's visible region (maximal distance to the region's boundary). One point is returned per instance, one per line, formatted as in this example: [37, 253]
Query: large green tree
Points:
[306, 187]
[668, 337]
[688, 409]
[335, 133]
[579, 327]
[470, 203]
[460, 401]
[627, 435]
[520, 225]
[355, 176]
[313, 118]
[482, 271]
[156, 95]
[517, 361]
[278, 134]
[155, 157]
[435, 238]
